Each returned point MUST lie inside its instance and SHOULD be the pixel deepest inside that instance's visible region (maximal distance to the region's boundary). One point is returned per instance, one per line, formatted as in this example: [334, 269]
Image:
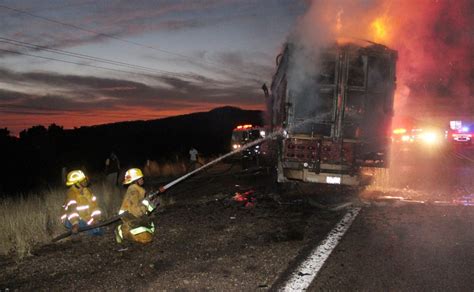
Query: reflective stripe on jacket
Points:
[133, 201]
[80, 204]
[141, 229]
[137, 206]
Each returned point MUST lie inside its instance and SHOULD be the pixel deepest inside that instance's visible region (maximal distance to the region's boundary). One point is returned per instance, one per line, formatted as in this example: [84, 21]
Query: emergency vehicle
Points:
[409, 134]
[244, 134]
[460, 132]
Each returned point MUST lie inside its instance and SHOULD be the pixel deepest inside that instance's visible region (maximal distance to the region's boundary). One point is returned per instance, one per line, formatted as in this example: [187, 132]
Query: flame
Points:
[380, 29]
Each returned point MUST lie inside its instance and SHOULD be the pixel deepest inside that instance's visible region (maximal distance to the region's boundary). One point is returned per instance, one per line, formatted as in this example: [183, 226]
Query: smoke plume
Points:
[434, 39]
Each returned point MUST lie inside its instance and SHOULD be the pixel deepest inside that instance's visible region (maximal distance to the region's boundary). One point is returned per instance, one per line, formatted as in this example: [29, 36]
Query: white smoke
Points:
[309, 38]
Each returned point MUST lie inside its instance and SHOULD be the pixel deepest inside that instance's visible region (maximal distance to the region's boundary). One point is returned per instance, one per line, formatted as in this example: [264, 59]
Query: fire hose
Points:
[100, 224]
[166, 187]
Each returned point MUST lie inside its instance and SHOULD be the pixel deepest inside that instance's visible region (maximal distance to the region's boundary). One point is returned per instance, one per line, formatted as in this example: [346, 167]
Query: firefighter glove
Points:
[75, 229]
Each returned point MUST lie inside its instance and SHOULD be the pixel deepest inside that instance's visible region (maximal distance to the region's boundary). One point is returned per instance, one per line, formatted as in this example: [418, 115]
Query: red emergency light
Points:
[244, 127]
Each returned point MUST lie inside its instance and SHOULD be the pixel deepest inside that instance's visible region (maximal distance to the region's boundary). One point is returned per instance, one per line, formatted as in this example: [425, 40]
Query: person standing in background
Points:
[193, 159]
[112, 169]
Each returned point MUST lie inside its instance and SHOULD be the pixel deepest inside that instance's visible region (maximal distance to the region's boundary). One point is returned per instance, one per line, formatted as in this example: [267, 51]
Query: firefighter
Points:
[136, 225]
[80, 208]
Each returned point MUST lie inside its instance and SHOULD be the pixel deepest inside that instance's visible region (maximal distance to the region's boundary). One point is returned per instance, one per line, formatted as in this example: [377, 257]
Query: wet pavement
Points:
[436, 175]
[407, 248]
[416, 231]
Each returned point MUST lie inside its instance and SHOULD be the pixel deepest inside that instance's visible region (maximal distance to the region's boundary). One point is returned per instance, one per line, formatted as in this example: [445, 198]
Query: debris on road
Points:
[246, 199]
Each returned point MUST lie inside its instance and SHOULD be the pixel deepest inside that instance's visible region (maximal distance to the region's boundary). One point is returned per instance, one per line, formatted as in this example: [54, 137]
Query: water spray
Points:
[209, 164]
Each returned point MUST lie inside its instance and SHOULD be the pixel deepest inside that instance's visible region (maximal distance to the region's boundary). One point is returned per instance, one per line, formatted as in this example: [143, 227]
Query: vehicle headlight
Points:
[430, 138]
[405, 138]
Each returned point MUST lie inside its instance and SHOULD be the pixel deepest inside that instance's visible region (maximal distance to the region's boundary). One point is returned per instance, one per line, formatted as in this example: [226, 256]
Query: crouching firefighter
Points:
[136, 224]
[80, 208]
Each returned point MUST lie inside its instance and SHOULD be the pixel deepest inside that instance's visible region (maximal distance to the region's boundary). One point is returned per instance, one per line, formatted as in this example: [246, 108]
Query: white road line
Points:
[304, 275]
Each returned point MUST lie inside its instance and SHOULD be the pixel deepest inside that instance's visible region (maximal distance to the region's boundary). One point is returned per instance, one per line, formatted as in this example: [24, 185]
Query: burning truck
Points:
[334, 107]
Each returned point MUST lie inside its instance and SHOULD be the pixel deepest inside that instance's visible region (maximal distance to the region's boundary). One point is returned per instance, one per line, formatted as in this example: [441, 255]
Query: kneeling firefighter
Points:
[136, 225]
[80, 208]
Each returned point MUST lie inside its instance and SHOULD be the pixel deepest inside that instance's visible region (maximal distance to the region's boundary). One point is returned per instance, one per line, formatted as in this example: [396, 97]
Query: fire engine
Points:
[244, 134]
[334, 107]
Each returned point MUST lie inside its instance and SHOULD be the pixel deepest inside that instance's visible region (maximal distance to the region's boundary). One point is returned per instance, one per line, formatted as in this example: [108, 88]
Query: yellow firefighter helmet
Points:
[74, 177]
[132, 175]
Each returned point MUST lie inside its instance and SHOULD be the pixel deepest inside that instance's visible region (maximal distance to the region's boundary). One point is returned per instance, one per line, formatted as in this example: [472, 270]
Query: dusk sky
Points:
[175, 57]
[143, 59]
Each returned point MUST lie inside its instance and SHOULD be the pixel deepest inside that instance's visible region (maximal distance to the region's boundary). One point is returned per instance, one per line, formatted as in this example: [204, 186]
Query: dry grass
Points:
[170, 169]
[166, 169]
[29, 221]
[34, 220]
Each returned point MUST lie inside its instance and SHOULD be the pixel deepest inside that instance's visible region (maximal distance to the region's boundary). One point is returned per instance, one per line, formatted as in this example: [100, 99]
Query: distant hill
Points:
[40, 152]
[136, 141]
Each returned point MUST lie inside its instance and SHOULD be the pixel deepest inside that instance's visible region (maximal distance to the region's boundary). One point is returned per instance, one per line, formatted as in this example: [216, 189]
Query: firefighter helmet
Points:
[74, 177]
[132, 175]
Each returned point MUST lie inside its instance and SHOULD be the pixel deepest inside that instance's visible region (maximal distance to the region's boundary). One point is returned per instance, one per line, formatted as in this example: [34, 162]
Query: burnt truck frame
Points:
[335, 119]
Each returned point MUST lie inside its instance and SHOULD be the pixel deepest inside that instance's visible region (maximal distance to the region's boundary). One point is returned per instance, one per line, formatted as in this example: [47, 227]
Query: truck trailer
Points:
[334, 107]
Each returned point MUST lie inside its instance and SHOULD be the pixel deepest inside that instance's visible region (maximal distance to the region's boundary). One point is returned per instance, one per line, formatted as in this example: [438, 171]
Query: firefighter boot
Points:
[118, 234]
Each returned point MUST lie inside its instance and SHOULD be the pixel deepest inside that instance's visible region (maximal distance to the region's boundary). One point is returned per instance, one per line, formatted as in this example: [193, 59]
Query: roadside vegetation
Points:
[171, 169]
[155, 169]
[33, 220]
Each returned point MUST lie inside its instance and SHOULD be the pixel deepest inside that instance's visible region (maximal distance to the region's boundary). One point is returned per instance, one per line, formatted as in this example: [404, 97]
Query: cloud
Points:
[103, 21]
[117, 99]
[225, 77]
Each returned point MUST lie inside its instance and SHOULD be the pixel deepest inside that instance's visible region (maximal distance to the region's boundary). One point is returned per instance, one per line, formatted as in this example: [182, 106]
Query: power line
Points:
[90, 58]
[70, 62]
[192, 60]
[65, 6]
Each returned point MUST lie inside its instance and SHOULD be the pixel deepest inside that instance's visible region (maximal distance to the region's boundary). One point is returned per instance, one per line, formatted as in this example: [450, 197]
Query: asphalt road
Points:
[408, 248]
[433, 171]
[416, 232]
